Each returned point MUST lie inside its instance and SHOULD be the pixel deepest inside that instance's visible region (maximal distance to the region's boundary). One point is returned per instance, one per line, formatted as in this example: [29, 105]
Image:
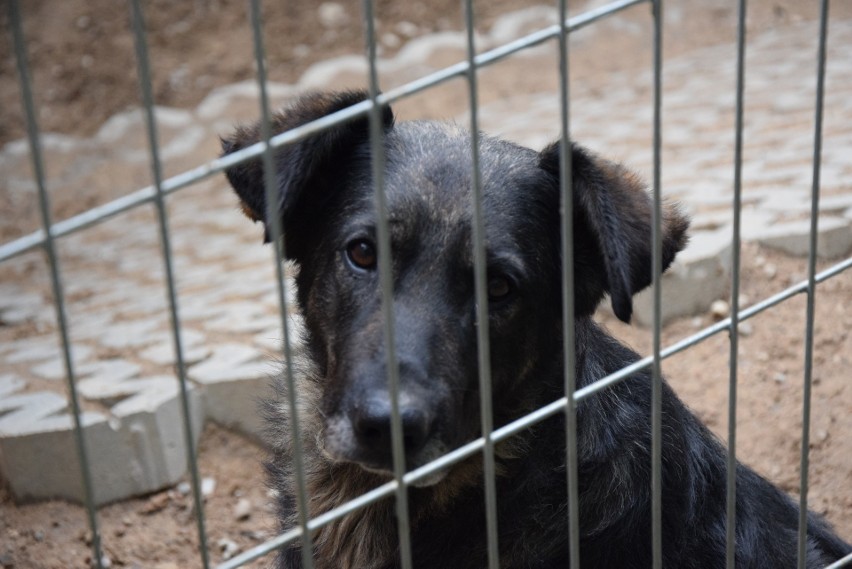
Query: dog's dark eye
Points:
[499, 288]
[362, 254]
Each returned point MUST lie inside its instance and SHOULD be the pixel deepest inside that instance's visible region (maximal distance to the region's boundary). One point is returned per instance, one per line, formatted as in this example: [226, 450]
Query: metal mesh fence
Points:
[397, 488]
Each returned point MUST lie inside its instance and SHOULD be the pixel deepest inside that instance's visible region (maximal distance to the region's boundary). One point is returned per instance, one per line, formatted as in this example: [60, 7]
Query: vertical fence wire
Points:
[656, 268]
[481, 296]
[144, 71]
[55, 276]
[276, 231]
[733, 358]
[568, 332]
[811, 297]
[386, 279]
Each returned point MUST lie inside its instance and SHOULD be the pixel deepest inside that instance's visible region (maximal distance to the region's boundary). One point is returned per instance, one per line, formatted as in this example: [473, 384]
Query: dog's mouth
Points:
[340, 446]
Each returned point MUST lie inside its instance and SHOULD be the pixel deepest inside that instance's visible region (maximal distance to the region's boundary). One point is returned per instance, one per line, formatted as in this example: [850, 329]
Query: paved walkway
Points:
[113, 273]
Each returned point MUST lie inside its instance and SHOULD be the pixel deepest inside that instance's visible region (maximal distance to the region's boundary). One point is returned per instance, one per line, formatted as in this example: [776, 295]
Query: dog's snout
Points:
[372, 425]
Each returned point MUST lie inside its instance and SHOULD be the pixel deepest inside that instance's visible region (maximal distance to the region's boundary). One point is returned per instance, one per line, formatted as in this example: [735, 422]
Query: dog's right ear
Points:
[307, 170]
[612, 231]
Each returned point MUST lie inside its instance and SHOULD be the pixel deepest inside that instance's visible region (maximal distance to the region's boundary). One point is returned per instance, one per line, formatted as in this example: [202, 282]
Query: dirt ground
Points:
[81, 55]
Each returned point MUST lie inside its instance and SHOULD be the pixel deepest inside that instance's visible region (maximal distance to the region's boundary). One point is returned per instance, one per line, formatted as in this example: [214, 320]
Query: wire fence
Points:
[396, 489]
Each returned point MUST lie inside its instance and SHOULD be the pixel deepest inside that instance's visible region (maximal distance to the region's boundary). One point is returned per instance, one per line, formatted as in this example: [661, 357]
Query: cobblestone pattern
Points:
[114, 278]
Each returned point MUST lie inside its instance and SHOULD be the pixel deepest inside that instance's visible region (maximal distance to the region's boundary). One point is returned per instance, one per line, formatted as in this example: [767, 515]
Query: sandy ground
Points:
[81, 54]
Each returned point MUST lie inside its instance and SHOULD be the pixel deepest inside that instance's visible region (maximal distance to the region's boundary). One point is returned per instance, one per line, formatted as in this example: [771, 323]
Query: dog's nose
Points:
[372, 425]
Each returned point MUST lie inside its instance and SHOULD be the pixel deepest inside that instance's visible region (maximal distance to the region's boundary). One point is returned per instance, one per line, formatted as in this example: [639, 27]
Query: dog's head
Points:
[325, 198]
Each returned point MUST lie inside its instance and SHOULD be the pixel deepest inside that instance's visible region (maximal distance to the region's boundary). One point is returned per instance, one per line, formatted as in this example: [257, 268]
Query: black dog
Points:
[325, 200]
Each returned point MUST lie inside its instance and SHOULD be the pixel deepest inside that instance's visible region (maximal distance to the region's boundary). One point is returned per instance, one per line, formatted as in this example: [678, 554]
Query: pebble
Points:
[745, 329]
[719, 309]
[407, 29]
[228, 547]
[391, 41]
[243, 509]
[332, 15]
[780, 377]
[208, 486]
[6, 560]
[770, 271]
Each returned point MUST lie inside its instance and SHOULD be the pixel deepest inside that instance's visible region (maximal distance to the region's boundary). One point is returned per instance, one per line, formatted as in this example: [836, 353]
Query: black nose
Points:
[371, 422]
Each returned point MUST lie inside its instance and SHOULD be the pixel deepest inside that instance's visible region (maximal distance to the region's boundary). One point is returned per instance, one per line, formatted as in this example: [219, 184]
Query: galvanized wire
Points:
[845, 562]
[656, 271]
[138, 24]
[273, 224]
[811, 298]
[568, 309]
[733, 358]
[481, 297]
[386, 278]
[49, 244]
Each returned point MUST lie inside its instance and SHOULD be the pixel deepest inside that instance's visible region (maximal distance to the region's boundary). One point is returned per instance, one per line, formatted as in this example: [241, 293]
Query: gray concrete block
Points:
[145, 448]
[834, 237]
[136, 449]
[235, 379]
[38, 457]
[700, 275]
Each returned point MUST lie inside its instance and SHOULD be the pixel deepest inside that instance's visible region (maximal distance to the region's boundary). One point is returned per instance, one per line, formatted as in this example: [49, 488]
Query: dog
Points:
[325, 199]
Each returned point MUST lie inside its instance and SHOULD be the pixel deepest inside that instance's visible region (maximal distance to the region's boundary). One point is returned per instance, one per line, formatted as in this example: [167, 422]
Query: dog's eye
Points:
[362, 254]
[499, 288]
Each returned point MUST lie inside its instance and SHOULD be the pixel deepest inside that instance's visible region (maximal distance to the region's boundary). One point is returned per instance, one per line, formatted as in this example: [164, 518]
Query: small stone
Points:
[243, 510]
[301, 51]
[332, 15]
[745, 328]
[38, 535]
[407, 29]
[697, 322]
[228, 548]
[184, 488]
[822, 435]
[391, 41]
[780, 377]
[6, 560]
[155, 504]
[770, 270]
[719, 309]
[208, 486]
[83, 22]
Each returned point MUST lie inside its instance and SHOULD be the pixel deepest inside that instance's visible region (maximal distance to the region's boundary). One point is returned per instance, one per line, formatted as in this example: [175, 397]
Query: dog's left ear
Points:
[306, 171]
[612, 204]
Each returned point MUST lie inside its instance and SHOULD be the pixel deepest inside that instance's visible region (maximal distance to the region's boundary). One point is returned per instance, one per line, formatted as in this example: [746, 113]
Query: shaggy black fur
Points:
[326, 203]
